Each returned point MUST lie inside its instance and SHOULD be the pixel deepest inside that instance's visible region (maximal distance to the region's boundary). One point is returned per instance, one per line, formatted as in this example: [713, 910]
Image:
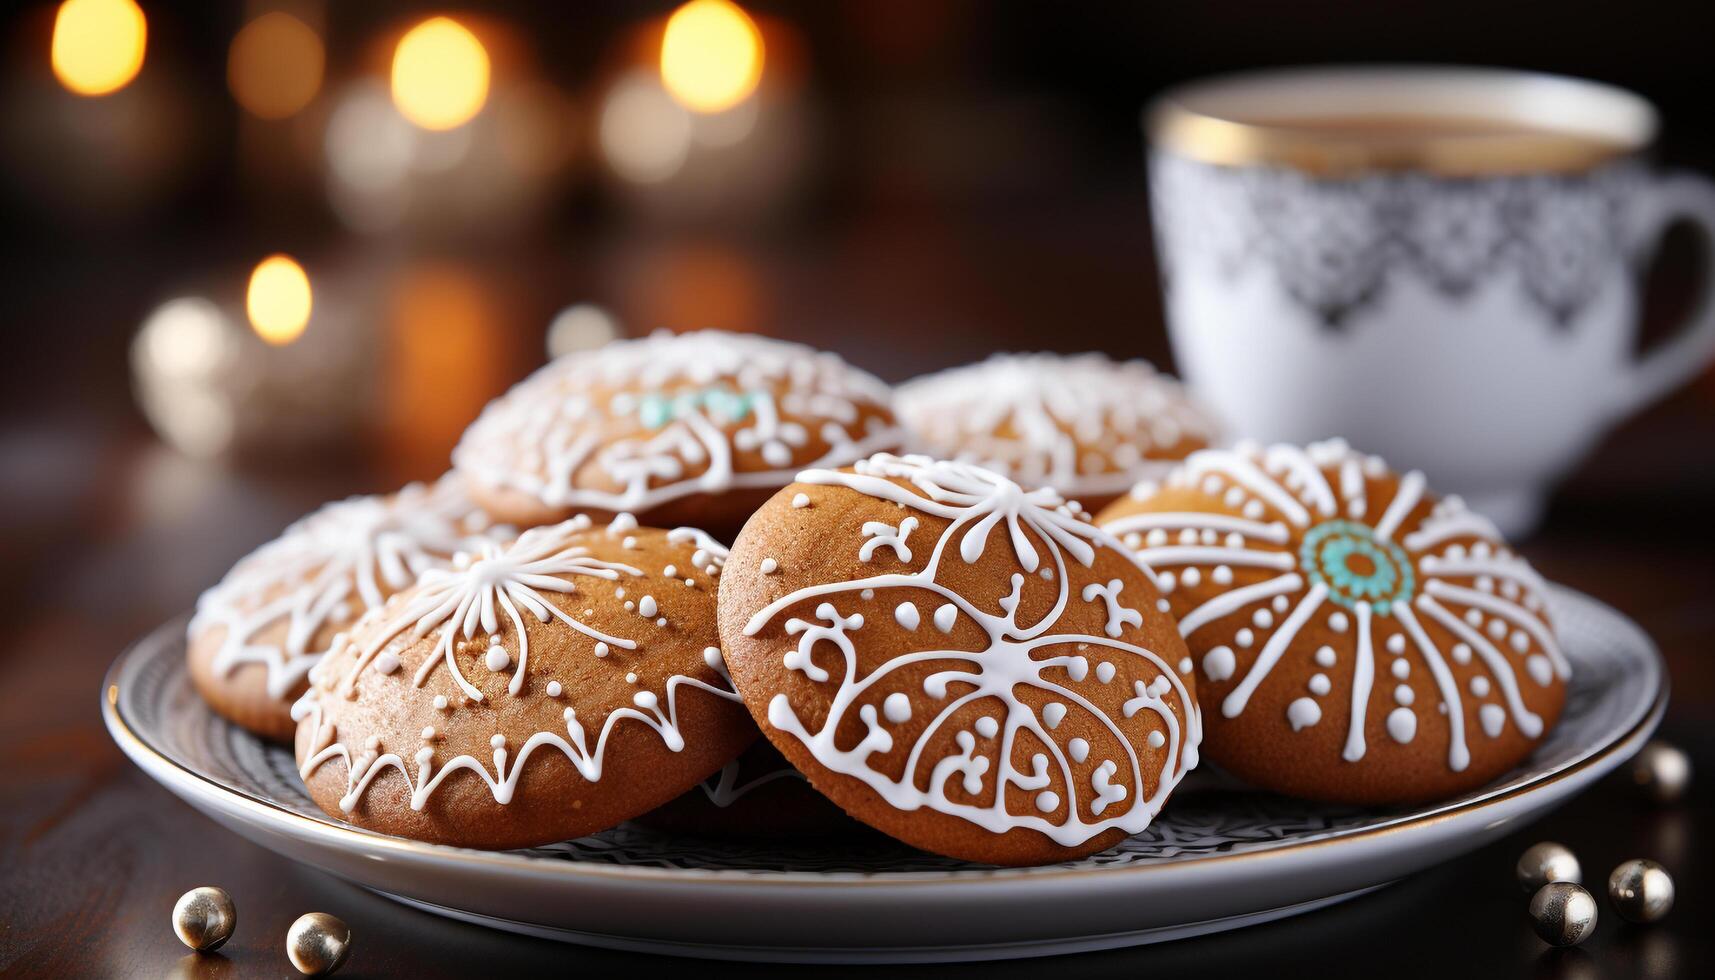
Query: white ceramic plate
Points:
[1218, 858]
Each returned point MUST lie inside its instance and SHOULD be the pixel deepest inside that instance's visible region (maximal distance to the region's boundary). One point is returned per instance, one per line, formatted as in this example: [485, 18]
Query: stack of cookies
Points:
[720, 584]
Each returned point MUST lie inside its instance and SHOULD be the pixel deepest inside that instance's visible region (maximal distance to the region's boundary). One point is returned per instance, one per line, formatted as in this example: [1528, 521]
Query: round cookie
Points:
[757, 795]
[1084, 424]
[257, 633]
[962, 664]
[536, 691]
[1359, 641]
[696, 428]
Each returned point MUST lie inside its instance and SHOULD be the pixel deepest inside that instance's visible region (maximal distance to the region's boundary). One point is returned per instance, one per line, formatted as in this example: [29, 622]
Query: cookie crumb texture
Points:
[694, 428]
[536, 691]
[1084, 424]
[965, 665]
[259, 631]
[1357, 640]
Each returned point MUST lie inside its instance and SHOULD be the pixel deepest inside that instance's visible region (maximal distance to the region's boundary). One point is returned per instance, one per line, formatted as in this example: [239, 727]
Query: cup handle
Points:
[1675, 197]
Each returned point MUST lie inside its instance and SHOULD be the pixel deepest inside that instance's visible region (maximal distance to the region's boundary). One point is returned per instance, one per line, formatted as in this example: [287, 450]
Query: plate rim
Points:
[187, 783]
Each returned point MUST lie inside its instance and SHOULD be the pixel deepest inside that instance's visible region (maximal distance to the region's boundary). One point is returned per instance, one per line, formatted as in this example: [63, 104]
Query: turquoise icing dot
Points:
[656, 409]
[1326, 556]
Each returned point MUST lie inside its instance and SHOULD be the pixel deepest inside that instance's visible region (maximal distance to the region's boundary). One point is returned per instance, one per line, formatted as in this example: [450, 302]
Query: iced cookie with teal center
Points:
[1357, 639]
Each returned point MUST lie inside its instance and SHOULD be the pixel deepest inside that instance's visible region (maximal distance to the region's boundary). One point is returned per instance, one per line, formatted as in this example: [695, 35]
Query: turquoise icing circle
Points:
[1326, 557]
[655, 409]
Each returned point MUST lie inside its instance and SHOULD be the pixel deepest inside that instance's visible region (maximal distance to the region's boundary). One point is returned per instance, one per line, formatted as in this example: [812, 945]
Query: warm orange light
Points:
[98, 45]
[275, 66]
[711, 55]
[278, 301]
[440, 74]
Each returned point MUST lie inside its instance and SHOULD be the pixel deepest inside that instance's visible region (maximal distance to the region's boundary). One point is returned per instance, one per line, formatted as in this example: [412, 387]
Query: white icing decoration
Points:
[974, 503]
[897, 708]
[1129, 419]
[495, 591]
[800, 501]
[497, 659]
[1326, 482]
[882, 535]
[906, 614]
[1302, 713]
[325, 570]
[687, 407]
[1119, 617]
[769, 566]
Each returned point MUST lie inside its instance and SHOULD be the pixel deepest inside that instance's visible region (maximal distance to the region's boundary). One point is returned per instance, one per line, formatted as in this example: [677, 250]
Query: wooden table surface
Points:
[108, 532]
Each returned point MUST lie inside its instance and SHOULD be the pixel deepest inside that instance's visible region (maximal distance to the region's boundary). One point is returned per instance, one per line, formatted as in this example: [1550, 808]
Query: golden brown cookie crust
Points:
[1307, 580]
[567, 730]
[1084, 424]
[673, 428]
[937, 657]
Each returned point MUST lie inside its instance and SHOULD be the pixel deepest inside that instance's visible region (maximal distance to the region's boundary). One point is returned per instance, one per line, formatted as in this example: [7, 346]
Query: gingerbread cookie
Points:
[1086, 425]
[256, 635]
[695, 428]
[1359, 641]
[960, 663]
[758, 795]
[536, 691]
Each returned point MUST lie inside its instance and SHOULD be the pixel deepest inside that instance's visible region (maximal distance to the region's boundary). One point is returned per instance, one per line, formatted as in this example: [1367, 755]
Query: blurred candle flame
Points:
[98, 45]
[440, 74]
[711, 55]
[274, 67]
[278, 300]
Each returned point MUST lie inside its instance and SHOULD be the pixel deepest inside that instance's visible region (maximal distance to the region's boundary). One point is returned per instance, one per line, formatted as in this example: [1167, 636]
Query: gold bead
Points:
[1641, 891]
[1662, 771]
[1545, 862]
[204, 918]
[318, 943]
[1562, 913]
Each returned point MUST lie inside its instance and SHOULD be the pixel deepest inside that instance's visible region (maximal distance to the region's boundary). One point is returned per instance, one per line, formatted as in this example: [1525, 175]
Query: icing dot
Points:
[646, 607]
[1162, 605]
[1156, 740]
[1185, 665]
[631, 677]
[600, 649]
[1319, 684]
[387, 662]
[1253, 510]
[428, 732]
[1461, 653]
[1402, 725]
[1396, 643]
[800, 501]
[1263, 619]
[987, 727]
[1520, 641]
[440, 702]
[867, 594]
[629, 605]
[1280, 603]
[1497, 628]
[1493, 718]
[661, 622]
[1223, 575]
[1078, 749]
[1219, 663]
[619, 593]
[1053, 713]
[945, 616]
[498, 741]
[906, 615]
[690, 581]
[1047, 801]
[1539, 668]
[769, 566]
[629, 542]
[645, 699]
[1473, 617]
[1190, 578]
[712, 657]
[1480, 686]
[671, 571]
[1404, 694]
[1325, 657]
[1105, 671]
[1401, 668]
[1337, 622]
[897, 708]
[1244, 638]
[1166, 582]
[1302, 713]
[497, 658]
[554, 689]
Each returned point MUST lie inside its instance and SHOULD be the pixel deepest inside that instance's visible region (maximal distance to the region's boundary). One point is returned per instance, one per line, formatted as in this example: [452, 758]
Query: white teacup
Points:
[1439, 264]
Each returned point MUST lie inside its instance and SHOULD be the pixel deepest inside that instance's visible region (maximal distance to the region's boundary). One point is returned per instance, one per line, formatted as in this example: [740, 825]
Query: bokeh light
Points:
[711, 55]
[440, 74]
[274, 67]
[98, 45]
[278, 300]
[645, 135]
[581, 326]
